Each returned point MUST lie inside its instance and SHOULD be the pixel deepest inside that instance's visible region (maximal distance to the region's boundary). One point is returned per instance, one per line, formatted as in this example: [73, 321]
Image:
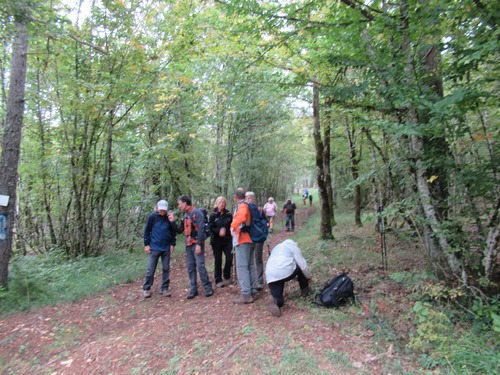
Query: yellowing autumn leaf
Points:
[432, 179]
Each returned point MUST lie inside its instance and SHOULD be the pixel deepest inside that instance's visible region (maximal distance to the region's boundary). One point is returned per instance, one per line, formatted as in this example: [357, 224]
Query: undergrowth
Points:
[449, 331]
[52, 278]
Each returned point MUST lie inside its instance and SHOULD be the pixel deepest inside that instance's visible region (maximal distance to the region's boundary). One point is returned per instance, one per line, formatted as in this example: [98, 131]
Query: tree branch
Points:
[76, 39]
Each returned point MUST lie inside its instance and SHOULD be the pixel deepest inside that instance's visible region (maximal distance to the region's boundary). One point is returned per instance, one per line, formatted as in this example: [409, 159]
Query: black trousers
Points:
[276, 287]
[219, 248]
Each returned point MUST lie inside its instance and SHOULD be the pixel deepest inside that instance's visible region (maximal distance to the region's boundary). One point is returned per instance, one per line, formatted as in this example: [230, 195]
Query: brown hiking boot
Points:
[274, 309]
[243, 299]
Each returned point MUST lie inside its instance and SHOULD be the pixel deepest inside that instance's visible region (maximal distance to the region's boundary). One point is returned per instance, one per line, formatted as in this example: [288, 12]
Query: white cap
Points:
[162, 205]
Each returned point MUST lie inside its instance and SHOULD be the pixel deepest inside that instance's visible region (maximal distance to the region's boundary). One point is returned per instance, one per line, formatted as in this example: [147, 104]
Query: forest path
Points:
[120, 332]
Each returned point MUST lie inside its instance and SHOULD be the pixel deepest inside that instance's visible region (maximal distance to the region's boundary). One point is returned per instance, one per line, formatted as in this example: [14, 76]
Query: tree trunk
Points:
[43, 167]
[11, 144]
[354, 160]
[326, 224]
[218, 156]
[435, 238]
[326, 158]
[491, 250]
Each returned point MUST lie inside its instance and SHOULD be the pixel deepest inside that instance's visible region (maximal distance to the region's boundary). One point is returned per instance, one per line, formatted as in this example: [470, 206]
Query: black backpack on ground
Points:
[337, 292]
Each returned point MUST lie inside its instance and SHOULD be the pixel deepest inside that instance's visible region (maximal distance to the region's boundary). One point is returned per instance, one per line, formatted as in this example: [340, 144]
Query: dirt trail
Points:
[120, 332]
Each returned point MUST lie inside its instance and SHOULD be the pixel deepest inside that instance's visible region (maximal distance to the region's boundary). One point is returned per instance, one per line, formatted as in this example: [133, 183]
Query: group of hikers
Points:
[226, 231]
[306, 196]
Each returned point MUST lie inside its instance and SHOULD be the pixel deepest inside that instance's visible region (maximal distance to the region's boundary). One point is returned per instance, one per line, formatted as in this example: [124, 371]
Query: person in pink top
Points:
[270, 209]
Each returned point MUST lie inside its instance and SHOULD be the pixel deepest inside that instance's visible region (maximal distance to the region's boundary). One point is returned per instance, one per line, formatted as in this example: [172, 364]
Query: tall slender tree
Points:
[11, 142]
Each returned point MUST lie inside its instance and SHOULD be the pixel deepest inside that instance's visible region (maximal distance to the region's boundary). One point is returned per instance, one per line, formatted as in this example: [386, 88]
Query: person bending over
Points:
[284, 264]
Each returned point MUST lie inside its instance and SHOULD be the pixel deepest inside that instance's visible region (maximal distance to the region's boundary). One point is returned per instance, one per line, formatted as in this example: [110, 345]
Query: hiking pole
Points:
[383, 247]
[234, 265]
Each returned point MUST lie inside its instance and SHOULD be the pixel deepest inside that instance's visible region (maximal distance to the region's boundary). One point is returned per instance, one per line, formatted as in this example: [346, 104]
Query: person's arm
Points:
[213, 224]
[224, 224]
[179, 228]
[173, 231]
[301, 262]
[239, 219]
[147, 233]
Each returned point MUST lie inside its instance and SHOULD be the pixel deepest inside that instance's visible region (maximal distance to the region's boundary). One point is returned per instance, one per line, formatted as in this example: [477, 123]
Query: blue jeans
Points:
[259, 263]
[194, 262]
[245, 268]
[290, 221]
[154, 256]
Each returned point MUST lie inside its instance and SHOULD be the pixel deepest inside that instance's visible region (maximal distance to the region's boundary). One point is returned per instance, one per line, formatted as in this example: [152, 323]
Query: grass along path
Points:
[118, 332]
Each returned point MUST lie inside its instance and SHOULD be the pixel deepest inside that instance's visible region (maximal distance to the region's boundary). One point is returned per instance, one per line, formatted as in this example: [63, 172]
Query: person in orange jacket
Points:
[245, 267]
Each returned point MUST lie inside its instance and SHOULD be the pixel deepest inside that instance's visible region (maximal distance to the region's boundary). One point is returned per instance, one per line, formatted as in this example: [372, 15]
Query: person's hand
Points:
[222, 232]
[147, 249]
[171, 217]
[197, 249]
[171, 249]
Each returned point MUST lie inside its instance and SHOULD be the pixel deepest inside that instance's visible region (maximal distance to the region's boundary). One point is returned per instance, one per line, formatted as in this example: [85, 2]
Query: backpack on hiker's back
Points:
[257, 225]
[337, 292]
[207, 225]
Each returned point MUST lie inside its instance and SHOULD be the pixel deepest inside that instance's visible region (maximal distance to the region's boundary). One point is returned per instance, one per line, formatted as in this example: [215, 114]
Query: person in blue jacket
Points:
[159, 242]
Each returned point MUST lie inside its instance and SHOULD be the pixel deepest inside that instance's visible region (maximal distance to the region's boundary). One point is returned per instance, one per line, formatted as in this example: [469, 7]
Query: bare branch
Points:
[88, 44]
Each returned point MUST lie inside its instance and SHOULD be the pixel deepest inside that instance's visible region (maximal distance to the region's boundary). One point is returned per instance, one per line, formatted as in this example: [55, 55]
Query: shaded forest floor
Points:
[120, 332]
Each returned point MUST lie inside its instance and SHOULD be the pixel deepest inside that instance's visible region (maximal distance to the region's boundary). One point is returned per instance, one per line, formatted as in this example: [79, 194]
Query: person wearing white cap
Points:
[159, 242]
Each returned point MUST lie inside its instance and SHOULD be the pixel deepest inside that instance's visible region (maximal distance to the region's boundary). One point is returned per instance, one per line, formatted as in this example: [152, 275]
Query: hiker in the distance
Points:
[310, 200]
[286, 263]
[221, 241]
[159, 242]
[289, 209]
[193, 226]
[270, 209]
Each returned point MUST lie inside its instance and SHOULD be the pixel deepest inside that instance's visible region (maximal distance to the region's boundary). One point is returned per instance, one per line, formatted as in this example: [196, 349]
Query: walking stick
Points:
[234, 264]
